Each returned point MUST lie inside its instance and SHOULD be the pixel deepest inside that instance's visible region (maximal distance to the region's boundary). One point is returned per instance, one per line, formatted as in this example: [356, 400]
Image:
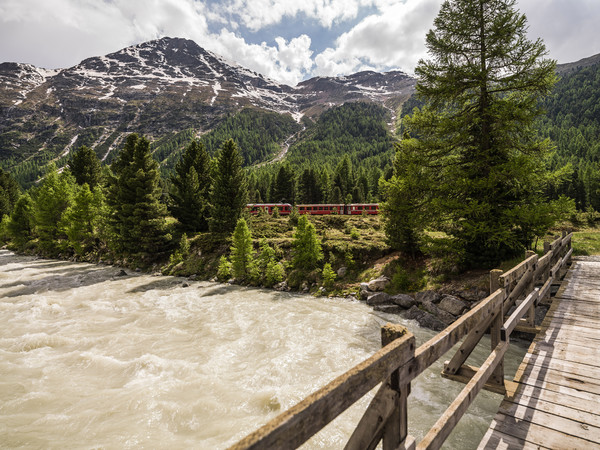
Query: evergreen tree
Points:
[137, 216]
[242, 252]
[475, 135]
[306, 246]
[85, 167]
[229, 189]
[51, 201]
[20, 225]
[284, 188]
[309, 187]
[10, 192]
[191, 186]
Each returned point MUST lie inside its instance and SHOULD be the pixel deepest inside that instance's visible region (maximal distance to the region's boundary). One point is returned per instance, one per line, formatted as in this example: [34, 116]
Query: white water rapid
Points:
[90, 359]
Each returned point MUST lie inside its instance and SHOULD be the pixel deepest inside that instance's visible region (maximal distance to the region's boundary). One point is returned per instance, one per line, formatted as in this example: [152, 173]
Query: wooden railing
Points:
[398, 363]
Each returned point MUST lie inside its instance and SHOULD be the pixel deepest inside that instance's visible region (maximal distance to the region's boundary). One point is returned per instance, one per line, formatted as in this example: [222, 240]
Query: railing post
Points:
[531, 313]
[395, 433]
[496, 327]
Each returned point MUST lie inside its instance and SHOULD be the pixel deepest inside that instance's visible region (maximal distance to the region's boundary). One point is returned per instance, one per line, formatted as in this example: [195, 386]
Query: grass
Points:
[586, 242]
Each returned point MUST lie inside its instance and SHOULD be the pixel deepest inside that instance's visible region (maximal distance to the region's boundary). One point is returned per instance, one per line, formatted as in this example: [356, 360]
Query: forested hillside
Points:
[340, 158]
[572, 122]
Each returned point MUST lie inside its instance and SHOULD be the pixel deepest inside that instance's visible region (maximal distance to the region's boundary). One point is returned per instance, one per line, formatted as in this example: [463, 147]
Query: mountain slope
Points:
[158, 88]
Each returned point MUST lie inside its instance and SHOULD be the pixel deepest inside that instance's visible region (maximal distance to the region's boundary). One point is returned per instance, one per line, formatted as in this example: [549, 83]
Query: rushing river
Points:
[91, 359]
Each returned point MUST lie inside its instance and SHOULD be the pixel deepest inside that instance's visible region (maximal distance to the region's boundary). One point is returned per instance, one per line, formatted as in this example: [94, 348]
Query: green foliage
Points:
[229, 189]
[306, 246]
[268, 271]
[328, 275]
[242, 252]
[481, 159]
[294, 216]
[407, 279]
[51, 201]
[85, 167]
[182, 251]
[190, 188]
[81, 221]
[224, 269]
[274, 274]
[9, 193]
[20, 225]
[138, 218]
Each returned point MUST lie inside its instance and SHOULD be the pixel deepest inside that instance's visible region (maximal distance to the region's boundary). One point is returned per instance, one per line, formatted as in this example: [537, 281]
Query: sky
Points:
[286, 40]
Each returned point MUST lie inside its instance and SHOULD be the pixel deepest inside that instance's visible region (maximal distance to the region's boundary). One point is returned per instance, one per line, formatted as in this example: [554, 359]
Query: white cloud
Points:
[257, 14]
[393, 38]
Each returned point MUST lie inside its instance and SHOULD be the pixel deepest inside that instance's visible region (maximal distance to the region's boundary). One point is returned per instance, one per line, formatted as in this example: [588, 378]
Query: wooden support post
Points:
[395, 432]
[546, 247]
[530, 317]
[495, 328]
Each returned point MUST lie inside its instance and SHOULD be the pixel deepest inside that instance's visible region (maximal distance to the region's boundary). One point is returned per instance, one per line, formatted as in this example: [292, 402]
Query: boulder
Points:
[403, 300]
[364, 292]
[184, 284]
[453, 305]
[122, 273]
[378, 298]
[378, 284]
[473, 294]
[442, 315]
[342, 271]
[424, 318]
[389, 309]
[283, 287]
[428, 296]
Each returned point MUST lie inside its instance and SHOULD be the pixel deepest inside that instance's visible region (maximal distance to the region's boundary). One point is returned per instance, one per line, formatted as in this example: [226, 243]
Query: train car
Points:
[284, 208]
[366, 208]
[322, 209]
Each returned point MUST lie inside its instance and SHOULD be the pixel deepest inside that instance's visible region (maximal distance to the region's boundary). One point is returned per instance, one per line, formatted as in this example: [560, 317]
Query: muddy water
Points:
[90, 359]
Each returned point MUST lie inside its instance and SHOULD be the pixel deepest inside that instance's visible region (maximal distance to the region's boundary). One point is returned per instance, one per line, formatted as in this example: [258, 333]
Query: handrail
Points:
[398, 363]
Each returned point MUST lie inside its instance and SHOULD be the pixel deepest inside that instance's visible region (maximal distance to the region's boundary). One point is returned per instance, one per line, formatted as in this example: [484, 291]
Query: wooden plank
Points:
[518, 313]
[511, 408]
[369, 430]
[586, 403]
[500, 441]
[539, 434]
[524, 328]
[523, 417]
[445, 424]
[519, 270]
[296, 425]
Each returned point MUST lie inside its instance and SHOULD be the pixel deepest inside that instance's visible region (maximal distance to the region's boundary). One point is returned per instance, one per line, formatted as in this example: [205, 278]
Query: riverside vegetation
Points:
[472, 182]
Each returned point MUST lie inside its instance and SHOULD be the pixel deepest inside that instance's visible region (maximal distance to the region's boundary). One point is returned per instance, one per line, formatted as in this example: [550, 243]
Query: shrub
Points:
[328, 275]
[224, 270]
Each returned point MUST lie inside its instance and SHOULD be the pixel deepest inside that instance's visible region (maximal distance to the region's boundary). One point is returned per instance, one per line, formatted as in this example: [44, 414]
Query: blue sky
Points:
[285, 40]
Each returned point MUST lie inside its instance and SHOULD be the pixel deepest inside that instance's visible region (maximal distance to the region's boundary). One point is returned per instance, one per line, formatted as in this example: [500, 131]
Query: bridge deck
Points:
[557, 402]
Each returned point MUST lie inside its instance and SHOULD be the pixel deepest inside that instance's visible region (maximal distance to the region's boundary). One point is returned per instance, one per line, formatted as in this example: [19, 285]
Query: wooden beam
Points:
[466, 372]
[369, 430]
[518, 313]
[296, 425]
[445, 424]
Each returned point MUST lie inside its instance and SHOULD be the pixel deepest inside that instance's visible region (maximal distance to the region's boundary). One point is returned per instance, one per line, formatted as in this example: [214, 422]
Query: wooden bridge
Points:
[552, 403]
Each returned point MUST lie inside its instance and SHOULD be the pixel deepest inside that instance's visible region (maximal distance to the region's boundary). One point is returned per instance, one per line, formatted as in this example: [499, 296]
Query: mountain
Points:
[161, 89]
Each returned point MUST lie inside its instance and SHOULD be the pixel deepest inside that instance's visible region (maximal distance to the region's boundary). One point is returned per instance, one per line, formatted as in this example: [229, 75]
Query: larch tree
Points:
[475, 138]
[191, 187]
[242, 251]
[229, 189]
[306, 246]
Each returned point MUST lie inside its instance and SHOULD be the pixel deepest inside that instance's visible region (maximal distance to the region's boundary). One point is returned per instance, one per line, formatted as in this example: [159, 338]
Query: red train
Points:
[321, 209]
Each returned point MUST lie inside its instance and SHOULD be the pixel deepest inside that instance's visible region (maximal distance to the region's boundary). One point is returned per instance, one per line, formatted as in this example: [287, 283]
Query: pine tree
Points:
[475, 135]
[191, 186]
[137, 216]
[284, 187]
[85, 167]
[242, 252]
[306, 246]
[229, 189]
